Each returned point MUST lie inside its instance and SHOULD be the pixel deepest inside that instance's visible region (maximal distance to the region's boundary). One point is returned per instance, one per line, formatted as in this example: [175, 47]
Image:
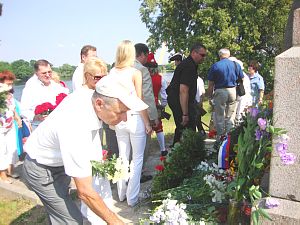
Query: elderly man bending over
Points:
[64, 144]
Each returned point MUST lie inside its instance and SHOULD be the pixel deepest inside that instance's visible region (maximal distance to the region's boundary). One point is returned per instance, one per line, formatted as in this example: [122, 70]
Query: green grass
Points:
[20, 211]
[169, 125]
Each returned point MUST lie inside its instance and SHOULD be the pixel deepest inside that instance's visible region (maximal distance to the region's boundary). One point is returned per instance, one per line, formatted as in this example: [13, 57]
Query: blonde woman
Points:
[131, 135]
[94, 69]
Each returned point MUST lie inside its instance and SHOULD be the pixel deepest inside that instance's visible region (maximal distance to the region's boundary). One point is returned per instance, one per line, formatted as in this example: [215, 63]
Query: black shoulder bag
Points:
[240, 90]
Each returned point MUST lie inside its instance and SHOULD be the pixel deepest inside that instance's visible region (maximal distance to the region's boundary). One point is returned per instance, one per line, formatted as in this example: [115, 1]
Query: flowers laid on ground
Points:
[208, 191]
[170, 212]
[46, 108]
[112, 168]
[173, 169]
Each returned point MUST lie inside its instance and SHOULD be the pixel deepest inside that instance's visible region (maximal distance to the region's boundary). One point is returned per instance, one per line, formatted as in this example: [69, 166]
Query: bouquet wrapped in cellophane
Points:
[112, 168]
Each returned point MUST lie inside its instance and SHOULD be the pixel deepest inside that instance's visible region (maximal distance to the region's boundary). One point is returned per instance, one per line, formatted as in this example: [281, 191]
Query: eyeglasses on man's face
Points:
[46, 72]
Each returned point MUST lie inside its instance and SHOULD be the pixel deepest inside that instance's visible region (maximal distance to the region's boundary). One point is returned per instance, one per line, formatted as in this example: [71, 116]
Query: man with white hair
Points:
[222, 83]
[61, 148]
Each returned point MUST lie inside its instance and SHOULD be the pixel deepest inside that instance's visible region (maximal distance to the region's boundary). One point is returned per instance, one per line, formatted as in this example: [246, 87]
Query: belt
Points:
[225, 87]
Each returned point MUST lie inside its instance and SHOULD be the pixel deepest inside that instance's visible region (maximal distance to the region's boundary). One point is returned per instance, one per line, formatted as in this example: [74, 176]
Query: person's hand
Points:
[39, 117]
[19, 122]
[156, 123]
[148, 128]
[185, 120]
[117, 222]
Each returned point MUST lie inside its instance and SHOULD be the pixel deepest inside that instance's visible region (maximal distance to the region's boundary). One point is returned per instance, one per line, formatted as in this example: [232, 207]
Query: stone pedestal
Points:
[287, 213]
[285, 179]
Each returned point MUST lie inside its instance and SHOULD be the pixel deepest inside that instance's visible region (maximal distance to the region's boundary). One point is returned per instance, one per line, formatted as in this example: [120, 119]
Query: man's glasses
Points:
[49, 72]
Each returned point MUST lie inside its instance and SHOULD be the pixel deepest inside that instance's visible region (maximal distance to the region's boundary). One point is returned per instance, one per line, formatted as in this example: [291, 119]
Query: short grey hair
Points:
[224, 53]
[107, 100]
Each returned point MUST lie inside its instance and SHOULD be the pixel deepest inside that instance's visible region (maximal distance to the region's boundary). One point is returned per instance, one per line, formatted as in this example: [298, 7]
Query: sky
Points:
[56, 30]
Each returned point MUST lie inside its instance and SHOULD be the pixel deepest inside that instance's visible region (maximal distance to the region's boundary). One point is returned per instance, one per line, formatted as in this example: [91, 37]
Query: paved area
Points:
[130, 215]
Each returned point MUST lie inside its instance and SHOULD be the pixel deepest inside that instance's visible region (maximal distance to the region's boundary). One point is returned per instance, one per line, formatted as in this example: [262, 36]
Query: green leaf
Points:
[255, 217]
[259, 165]
[271, 129]
[264, 214]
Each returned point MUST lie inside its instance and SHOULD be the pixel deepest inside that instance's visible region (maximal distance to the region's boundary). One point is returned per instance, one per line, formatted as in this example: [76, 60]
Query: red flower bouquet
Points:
[44, 109]
[59, 98]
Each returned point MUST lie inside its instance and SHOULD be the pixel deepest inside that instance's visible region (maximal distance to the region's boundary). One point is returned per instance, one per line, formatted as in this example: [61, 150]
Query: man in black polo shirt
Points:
[182, 90]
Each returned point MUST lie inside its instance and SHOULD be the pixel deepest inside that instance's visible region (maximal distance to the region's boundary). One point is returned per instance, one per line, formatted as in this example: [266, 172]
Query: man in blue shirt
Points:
[222, 78]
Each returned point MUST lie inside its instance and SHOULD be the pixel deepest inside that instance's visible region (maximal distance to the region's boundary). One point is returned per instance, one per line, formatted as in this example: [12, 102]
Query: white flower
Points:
[170, 212]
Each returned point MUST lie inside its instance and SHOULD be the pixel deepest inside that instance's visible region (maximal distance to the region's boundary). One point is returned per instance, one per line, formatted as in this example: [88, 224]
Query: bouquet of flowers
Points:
[46, 108]
[59, 98]
[112, 168]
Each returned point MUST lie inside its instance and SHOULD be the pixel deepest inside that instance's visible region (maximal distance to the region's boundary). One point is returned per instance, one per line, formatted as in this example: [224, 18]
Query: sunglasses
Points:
[97, 77]
[203, 55]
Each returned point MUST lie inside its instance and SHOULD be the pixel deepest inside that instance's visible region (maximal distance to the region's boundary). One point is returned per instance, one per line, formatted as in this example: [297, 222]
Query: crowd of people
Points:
[126, 104]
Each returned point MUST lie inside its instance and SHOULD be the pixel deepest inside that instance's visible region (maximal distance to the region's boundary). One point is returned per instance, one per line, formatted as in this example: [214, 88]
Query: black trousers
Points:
[174, 104]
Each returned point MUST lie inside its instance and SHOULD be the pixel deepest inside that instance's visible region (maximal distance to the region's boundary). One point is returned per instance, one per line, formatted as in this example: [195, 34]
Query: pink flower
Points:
[271, 203]
[159, 167]
[281, 148]
[262, 123]
[104, 154]
[162, 158]
[288, 158]
[253, 112]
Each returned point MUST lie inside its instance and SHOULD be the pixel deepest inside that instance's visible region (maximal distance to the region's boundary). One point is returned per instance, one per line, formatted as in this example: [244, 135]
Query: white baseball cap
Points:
[111, 86]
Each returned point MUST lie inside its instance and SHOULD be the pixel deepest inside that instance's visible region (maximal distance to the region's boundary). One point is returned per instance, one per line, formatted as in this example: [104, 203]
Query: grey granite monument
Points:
[285, 179]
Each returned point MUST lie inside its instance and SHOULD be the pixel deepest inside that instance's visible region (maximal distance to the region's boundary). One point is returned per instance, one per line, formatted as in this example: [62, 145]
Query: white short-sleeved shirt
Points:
[200, 89]
[77, 78]
[69, 137]
[36, 93]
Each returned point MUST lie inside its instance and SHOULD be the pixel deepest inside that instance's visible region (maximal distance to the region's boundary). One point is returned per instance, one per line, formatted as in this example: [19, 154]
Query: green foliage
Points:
[2, 101]
[250, 29]
[22, 69]
[5, 66]
[65, 70]
[181, 162]
[195, 193]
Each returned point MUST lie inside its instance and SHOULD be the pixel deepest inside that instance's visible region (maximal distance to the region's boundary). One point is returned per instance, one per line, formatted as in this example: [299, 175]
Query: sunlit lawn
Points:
[20, 211]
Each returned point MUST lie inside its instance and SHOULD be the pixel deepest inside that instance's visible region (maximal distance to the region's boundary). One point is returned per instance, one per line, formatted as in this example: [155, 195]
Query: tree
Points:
[5, 66]
[251, 29]
[22, 69]
[65, 70]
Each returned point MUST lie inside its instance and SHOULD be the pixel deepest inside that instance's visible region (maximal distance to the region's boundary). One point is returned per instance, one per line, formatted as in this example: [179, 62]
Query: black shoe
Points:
[164, 153]
[145, 178]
